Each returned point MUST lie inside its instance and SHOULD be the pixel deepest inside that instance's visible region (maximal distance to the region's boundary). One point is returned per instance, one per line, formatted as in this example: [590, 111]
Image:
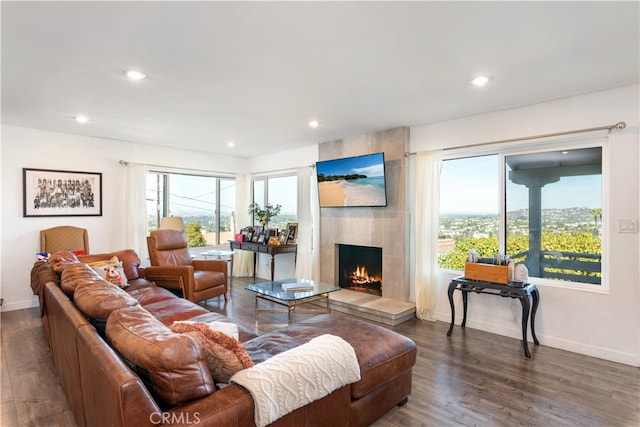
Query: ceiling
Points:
[257, 72]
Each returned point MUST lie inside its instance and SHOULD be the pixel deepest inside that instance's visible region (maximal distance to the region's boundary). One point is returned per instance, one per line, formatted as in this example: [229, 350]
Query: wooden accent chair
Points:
[172, 267]
[64, 238]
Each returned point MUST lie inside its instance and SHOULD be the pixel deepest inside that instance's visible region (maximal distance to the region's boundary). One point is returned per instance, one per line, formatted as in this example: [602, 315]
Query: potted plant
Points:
[264, 214]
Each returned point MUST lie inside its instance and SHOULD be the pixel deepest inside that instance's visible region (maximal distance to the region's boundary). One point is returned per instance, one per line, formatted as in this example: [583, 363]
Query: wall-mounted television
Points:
[352, 181]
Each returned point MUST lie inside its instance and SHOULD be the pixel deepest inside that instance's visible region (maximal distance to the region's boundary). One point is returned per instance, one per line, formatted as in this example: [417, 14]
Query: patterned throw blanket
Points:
[296, 377]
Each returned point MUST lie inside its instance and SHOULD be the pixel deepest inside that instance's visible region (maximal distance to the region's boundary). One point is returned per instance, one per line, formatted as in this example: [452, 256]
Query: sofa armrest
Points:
[210, 265]
[41, 273]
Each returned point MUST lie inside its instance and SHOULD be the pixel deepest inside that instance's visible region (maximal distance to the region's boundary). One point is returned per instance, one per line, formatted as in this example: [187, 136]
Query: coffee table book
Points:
[297, 286]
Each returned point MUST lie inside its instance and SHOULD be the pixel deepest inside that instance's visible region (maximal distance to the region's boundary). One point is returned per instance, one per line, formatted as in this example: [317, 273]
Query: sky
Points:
[471, 186]
[195, 195]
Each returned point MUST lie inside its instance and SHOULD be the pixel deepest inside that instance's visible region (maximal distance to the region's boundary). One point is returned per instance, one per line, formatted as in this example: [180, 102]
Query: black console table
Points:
[530, 290]
[265, 249]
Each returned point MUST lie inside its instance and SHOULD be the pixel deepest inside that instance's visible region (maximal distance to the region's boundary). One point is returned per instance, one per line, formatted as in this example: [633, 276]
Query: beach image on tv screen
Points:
[352, 181]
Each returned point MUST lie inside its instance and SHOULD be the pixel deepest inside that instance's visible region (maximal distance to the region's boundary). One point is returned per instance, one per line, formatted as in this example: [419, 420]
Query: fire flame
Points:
[361, 276]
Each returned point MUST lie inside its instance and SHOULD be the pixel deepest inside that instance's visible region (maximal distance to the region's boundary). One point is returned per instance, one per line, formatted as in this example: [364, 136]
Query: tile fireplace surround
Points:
[384, 227]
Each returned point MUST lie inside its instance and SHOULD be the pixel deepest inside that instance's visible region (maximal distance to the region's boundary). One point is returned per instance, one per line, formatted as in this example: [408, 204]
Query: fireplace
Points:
[359, 268]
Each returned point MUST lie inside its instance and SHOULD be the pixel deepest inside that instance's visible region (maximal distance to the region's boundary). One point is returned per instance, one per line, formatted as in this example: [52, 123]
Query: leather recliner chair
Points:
[172, 267]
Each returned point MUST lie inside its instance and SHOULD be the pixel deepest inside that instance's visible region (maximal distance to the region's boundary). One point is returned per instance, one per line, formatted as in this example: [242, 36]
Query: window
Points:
[278, 190]
[206, 204]
[552, 212]
[469, 209]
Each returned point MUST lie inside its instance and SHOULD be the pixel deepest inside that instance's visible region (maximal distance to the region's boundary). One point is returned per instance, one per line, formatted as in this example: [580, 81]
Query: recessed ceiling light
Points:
[314, 123]
[564, 152]
[81, 119]
[135, 75]
[480, 81]
[231, 144]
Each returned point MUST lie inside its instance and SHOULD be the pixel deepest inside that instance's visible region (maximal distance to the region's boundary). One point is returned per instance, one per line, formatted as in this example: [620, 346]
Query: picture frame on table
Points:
[292, 232]
[283, 236]
[257, 230]
[51, 192]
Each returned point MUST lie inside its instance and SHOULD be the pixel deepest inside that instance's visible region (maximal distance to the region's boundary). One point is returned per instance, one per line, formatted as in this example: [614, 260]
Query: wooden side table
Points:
[257, 248]
[523, 294]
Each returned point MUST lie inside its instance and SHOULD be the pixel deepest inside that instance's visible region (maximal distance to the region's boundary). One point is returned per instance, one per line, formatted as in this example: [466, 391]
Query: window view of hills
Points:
[573, 230]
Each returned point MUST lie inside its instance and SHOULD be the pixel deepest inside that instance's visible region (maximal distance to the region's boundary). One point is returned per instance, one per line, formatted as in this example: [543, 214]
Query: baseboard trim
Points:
[11, 306]
[550, 341]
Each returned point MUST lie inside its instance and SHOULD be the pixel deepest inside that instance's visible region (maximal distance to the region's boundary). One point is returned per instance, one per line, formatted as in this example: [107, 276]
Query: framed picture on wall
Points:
[48, 192]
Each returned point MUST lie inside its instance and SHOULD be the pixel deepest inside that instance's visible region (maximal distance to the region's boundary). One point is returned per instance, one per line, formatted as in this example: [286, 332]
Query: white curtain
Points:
[315, 225]
[136, 210]
[243, 260]
[307, 212]
[428, 165]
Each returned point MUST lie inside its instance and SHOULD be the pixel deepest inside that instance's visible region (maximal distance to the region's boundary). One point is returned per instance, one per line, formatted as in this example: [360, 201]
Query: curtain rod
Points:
[619, 125]
[125, 163]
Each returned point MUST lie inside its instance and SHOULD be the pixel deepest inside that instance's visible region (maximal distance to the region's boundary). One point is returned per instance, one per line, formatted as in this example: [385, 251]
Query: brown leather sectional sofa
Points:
[103, 389]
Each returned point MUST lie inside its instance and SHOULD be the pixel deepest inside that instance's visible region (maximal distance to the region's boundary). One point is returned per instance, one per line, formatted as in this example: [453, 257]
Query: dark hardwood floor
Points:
[472, 378]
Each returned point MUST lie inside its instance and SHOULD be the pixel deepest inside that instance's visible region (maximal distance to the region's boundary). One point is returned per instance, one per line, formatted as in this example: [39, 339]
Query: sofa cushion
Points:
[61, 259]
[150, 294]
[175, 362]
[264, 347]
[97, 298]
[169, 310]
[111, 270]
[74, 274]
[224, 354]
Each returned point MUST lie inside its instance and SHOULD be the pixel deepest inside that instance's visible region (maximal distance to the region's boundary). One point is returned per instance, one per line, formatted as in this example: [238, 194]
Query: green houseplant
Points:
[264, 214]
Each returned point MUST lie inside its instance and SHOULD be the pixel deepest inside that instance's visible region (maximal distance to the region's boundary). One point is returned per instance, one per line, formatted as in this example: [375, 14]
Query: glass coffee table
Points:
[291, 293]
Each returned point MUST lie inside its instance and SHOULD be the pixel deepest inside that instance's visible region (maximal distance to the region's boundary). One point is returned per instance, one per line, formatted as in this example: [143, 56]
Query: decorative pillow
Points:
[228, 328]
[111, 270]
[224, 354]
[174, 362]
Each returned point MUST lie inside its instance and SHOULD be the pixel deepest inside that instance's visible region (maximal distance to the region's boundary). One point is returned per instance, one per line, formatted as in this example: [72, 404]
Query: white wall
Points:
[604, 325]
[284, 160]
[31, 148]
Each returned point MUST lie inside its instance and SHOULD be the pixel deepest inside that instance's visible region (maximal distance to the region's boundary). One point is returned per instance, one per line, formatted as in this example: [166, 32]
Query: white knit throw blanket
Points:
[293, 378]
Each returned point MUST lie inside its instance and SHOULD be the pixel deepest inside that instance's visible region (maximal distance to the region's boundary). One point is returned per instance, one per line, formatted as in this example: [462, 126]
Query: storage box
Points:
[488, 272]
